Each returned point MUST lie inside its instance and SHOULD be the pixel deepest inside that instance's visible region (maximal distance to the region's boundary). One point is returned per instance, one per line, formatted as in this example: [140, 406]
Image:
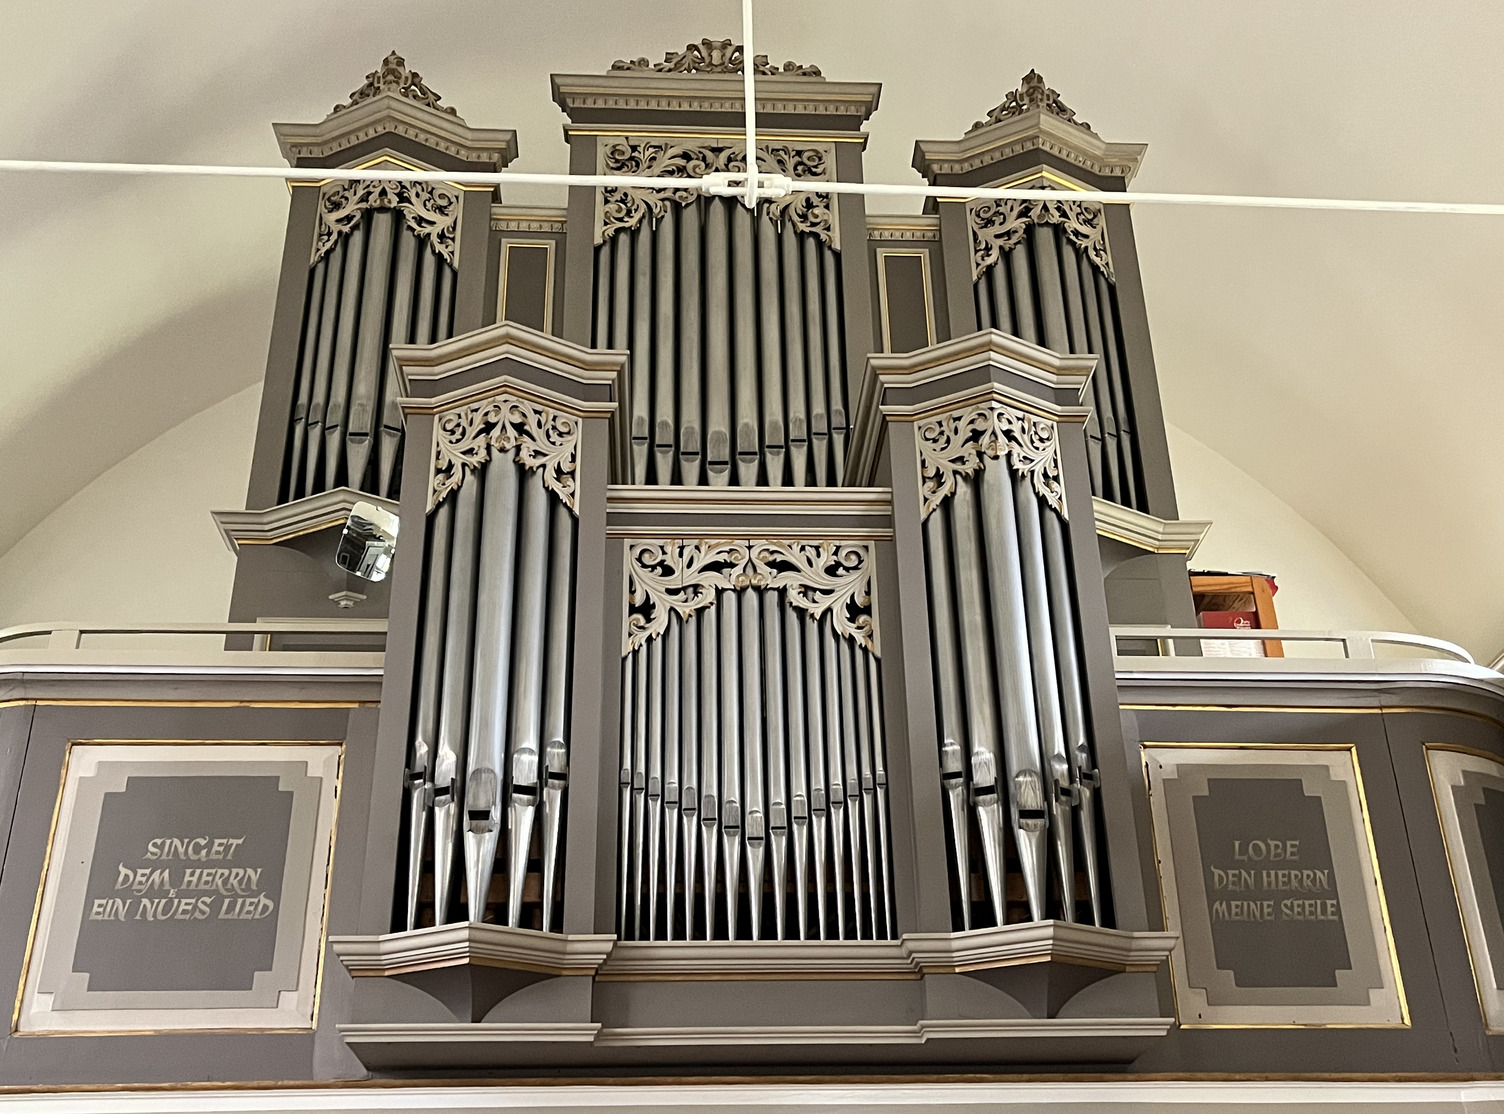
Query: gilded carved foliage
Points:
[714, 56]
[958, 443]
[431, 210]
[539, 437]
[829, 577]
[624, 207]
[997, 227]
[1031, 94]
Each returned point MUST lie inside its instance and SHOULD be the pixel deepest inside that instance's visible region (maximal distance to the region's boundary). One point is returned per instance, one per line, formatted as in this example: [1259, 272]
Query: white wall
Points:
[1253, 530]
[137, 544]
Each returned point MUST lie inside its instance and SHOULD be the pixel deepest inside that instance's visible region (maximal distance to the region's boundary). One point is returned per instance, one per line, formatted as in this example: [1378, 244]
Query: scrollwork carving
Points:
[432, 212]
[393, 76]
[624, 207]
[1031, 94]
[539, 437]
[714, 56]
[956, 444]
[830, 577]
[997, 227]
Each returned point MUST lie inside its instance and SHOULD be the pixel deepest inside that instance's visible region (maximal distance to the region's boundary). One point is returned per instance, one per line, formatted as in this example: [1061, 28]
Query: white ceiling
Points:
[1349, 362]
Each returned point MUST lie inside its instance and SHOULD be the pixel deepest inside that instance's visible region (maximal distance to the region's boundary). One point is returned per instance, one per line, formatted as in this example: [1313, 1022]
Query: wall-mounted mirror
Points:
[369, 540]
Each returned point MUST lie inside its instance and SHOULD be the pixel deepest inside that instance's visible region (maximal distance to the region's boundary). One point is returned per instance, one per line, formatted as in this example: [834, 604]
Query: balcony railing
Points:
[1354, 645]
[355, 641]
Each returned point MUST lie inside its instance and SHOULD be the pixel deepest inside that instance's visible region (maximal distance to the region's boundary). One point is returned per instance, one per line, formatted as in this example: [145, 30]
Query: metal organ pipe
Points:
[775, 700]
[814, 707]
[524, 736]
[454, 707]
[731, 755]
[399, 331]
[490, 690]
[754, 753]
[771, 347]
[691, 419]
[1059, 793]
[303, 392]
[556, 694]
[1074, 701]
[1010, 644]
[420, 764]
[639, 382]
[710, 757]
[717, 344]
[796, 697]
[744, 299]
[953, 742]
[664, 348]
[689, 751]
[977, 675]
[344, 356]
[370, 350]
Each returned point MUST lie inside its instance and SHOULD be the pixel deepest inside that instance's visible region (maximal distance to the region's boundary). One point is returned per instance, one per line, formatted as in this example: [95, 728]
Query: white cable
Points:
[870, 189]
[749, 96]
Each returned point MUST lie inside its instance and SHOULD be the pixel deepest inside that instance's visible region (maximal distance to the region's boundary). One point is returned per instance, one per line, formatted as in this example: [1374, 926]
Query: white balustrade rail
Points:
[1355, 644]
[70, 636]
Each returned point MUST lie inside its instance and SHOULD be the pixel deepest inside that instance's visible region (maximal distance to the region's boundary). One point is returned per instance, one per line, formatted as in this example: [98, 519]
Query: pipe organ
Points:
[746, 701]
[747, 619]
[749, 716]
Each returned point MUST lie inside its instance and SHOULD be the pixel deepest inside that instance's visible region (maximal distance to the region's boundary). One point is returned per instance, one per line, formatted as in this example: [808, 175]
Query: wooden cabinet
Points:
[1228, 600]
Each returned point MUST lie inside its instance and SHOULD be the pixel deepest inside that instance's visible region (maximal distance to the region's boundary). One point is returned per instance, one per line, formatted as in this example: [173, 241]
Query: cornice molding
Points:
[471, 943]
[1145, 531]
[785, 503]
[923, 229]
[522, 218]
[1037, 942]
[639, 90]
[603, 956]
[286, 521]
[764, 959]
[990, 348]
[1033, 130]
[422, 368]
[390, 113]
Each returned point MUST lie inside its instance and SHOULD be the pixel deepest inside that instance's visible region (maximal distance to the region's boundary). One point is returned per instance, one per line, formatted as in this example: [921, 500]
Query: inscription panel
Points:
[185, 889]
[1469, 792]
[1269, 878]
